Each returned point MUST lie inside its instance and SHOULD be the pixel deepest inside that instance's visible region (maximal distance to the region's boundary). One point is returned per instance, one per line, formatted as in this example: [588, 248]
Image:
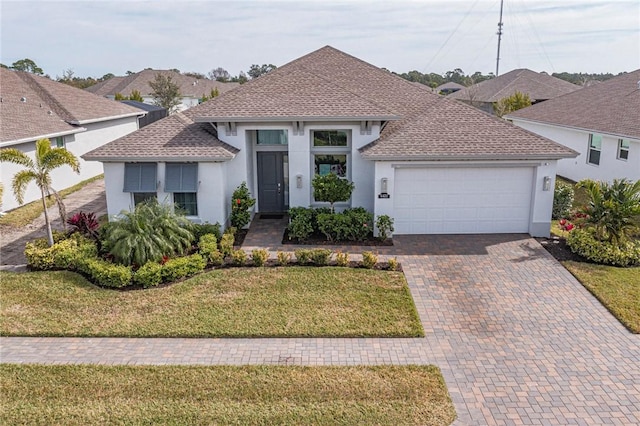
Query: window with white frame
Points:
[140, 180]
[60, 142]
[181, 179]
[330, 151]
[595, 148]
[271, 137]
[623, 149]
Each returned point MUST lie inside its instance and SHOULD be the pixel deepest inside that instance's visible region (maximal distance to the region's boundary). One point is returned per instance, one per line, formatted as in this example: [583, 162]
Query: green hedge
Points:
[583, 242]
[106, 274]
[64, 254]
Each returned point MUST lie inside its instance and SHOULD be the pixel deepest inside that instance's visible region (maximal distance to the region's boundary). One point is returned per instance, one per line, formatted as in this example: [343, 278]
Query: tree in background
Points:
[39, 171]
[219, 74]
[27, 65]
[135, 96]
[213, 94]
[257, 70]
[165, 92]
[511, 103]
[196, 75]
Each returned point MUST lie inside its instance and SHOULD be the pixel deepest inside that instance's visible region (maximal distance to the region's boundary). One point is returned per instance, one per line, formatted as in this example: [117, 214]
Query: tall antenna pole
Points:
[499, 38]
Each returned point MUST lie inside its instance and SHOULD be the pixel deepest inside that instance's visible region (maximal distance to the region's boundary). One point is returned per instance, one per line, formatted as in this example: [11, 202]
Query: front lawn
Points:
[392, 395]
[617, 288]
[235, 302]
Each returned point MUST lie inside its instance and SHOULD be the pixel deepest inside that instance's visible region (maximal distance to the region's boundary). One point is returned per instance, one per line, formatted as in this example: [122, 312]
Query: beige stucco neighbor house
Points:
[34, 107]
[437, 166]
[539, 86]
[601, 122]
[191, 89]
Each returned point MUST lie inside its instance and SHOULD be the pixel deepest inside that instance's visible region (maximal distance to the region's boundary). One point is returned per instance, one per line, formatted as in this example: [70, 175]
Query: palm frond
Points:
[20, 181]
[15, 156]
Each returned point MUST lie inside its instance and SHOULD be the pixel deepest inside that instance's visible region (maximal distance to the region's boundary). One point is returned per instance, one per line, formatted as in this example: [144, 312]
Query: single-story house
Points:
[435, 165]
[539, 86]
[601, 122]
[34, 107]
[191, 89]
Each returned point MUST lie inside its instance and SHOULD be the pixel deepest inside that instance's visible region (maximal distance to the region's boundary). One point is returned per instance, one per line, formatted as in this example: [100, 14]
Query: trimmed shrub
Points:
[259, 257]
[301, 223]
[384, 223]
[283, 258]
[342, 259]
[182, 267]
[39, 256]
[241, 202]
[331, 188]
[321, 257]
[207, 228]
[238, 257]
[584, 243]
[361, 223]
[351, 225]
[562, 200]
[106, 274]
[393, 264]
[226, 244]
[369, 259]
[149, 275]
[207, 244]
[64, 254]
[303, 256]
[216, 258]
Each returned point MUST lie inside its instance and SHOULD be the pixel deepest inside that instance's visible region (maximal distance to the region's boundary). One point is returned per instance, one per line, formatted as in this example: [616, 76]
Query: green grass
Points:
[618, 289]
[26, 214]
[248, 395]
[235, 302]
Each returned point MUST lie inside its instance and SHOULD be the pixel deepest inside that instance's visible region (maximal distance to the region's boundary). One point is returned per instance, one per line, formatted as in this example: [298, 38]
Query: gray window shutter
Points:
[140, 177]
[181, 177]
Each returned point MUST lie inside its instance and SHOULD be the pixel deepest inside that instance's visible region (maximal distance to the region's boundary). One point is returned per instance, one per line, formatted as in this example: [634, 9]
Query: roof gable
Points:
[612, 106]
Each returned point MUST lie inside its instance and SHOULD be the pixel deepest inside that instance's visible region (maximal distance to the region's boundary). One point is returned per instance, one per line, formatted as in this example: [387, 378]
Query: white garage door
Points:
[462, 200]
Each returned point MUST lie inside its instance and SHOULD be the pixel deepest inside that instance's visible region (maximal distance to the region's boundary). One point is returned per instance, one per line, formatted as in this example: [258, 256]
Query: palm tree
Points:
[39, 171]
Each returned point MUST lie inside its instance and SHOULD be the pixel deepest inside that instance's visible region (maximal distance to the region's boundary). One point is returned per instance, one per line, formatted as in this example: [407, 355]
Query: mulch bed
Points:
[321, 240]
[558, 248]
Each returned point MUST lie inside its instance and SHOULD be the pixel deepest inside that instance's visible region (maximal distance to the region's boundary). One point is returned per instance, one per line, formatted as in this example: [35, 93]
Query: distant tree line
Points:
[220, 74]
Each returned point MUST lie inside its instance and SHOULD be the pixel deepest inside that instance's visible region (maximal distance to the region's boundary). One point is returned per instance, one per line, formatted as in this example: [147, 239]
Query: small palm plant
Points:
[148, 233]
[38, 170]
[613, 210]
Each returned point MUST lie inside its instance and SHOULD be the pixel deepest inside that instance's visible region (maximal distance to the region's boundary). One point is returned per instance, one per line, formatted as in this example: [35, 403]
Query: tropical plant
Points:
[39, 170]
[85, 224]
[613, 209]
[384, 223]
[147, 234]
[331, 188]
[511, 103]
[241, 202]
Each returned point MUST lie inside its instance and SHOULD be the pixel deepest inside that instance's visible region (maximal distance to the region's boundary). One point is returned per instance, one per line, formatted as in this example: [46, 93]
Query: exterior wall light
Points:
[298, 181]
[546, 183]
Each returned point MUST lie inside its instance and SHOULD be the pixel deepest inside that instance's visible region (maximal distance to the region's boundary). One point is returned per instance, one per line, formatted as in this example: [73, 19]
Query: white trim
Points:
[474, 165]
[45, 136]
[582, 129]
[226, 119]
[142, 113]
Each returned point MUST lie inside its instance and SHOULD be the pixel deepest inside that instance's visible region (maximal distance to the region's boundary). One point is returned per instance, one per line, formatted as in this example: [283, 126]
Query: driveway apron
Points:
[518, 339]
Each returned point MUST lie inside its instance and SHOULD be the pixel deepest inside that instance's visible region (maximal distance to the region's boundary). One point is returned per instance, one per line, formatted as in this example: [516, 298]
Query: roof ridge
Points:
[47, 97]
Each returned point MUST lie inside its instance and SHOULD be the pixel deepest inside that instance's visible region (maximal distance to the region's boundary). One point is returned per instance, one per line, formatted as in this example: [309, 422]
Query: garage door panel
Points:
[462, 200]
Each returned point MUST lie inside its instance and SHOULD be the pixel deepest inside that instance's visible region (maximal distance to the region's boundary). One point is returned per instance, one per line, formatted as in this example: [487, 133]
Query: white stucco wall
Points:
[576, 169]
[212, 207]
[541, 200]
[96, 134]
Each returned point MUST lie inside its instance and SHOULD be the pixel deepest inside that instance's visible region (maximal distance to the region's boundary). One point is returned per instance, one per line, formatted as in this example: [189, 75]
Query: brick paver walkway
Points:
[518, 339]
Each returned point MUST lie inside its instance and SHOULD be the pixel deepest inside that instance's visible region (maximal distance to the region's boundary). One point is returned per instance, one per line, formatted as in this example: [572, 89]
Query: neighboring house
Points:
[601, 122]
[448, 88]
[192, 89]
[436, 166]
[539, 86]
[154, 112]
[34, 107]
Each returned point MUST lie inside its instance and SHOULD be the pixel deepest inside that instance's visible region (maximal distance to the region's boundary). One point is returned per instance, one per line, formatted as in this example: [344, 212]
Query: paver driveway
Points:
[518, 339]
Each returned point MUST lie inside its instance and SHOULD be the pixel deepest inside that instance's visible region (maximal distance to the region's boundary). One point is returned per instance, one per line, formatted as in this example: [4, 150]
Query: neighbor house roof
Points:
[176, 137]
[612, 107]
[34, 107]
[450, 85]
[539, 87]
[330, 84]
[189, 86]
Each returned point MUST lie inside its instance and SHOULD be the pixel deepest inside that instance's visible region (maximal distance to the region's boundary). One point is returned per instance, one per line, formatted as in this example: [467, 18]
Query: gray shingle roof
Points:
[49, 108]
[539, 87]
[176, 137]
[139, 81]
[330, 83]
[612, 106]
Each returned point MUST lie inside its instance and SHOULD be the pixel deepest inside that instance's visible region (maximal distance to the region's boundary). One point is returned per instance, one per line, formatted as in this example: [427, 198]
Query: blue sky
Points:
[97, 37]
